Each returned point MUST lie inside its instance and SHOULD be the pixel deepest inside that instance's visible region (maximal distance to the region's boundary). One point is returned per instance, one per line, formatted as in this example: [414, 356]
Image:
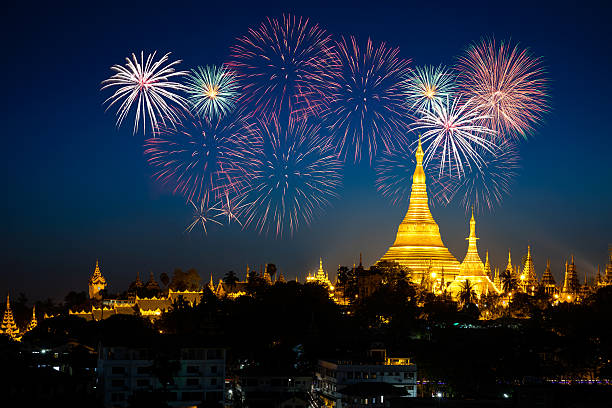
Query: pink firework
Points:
[281, 65]
[367, 109]
[197, 157]
[508, 85]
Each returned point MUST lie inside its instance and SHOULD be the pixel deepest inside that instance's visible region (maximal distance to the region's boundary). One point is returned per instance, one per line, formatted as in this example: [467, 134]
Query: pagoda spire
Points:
[33, 323]
[509, 266]
[8, 326]
[418, 236]
[488, 266]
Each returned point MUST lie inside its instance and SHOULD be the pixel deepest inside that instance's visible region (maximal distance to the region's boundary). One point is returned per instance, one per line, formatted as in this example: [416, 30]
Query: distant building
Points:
[275, 389]
[337, 382]
[124, 372]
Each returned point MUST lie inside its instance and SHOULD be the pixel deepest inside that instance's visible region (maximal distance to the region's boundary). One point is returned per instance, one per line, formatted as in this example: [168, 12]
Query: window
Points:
[193, 369]
[117, 383]
[142, 383]
[193, 381]
[143, 370]
[191, 396]
[117, 396]
[118, 370]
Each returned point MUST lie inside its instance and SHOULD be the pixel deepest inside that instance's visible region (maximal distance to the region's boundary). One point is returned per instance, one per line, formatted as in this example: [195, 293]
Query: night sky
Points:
[76, 189]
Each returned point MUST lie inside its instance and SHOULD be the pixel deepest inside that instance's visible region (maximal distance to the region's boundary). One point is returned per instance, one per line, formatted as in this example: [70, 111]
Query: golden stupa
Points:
[418, 244]
[472, 268]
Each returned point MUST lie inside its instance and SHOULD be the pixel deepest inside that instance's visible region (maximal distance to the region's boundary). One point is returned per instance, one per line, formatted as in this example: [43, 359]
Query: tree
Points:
[75, 300]
[182, 281]
[509, 281]
[230, 278]
[164, 278]
[467, 294]
[271, 269]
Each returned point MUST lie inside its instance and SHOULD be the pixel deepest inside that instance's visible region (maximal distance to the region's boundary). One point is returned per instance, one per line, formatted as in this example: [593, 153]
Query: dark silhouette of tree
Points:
[467, 294]
[509, 281]
[182, 281]
[76, 300]
[164, 278]
[230, 278]
[271, 269]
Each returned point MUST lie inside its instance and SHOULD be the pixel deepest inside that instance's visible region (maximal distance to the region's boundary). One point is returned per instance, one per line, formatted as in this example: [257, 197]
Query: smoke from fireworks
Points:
[367, 108]
[280, 65]
[213, 91]
[147, 84]
[508, 85]
[293, 174]
[197, 157]
[453, 134]
[428, 86]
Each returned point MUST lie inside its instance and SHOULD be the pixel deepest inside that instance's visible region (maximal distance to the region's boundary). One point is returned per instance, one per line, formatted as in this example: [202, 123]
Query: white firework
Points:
[428, 86]
[203, 215]
[148, 85]
[454, 134]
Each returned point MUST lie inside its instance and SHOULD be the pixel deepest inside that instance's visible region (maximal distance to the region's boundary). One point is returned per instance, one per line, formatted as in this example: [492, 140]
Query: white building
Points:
[332, 377]
[125, 372]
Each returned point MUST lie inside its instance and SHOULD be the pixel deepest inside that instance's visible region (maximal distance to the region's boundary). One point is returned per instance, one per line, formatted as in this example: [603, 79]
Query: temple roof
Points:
[547, 277]
[97, 278]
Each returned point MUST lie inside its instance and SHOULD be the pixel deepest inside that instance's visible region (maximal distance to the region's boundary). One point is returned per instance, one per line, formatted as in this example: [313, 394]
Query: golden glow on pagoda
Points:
[418, 243]
[97, 283]
[8, 327]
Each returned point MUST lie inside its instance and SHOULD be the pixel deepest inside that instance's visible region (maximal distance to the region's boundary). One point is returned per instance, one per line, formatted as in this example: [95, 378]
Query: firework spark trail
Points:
[212, 91]
[367, 108]
[429, 86]
[293, 174]
[203, 214]
[454, 134]
[281, 65]
[231, 207]
[507, 83]
[146, 83]
[198, 157]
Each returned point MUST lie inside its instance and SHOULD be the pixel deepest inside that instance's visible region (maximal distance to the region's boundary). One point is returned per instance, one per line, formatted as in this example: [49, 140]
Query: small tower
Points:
[509, 266]
[571, 285]
[488, 267]
[9, 327]
[97, 283]
[152, 284]
[608, 276]
[529, 279]
[211, 284]
[548, 280]
[33, 323]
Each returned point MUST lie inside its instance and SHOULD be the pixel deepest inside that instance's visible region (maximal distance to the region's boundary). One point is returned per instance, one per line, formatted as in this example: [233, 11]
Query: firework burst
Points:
[147, 84]
[280, 65]
[293, 175]
[367, 99]
[428, 86]
[197, 157]
[213, 91]
[454, 135]
[203, 214]
[508, 85]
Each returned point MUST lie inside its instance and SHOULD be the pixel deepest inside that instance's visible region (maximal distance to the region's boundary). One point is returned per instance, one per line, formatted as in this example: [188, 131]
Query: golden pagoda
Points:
[528, 279]
[472, 268]
[97, 283]
[320, 277]
[418, 243]
[8, 327]
[33, 323]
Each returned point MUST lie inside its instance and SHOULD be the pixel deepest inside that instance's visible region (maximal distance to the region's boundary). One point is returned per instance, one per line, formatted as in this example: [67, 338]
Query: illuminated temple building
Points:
[418, 244]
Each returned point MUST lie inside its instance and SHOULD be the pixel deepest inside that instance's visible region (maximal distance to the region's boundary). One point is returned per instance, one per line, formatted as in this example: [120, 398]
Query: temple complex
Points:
[418, 244]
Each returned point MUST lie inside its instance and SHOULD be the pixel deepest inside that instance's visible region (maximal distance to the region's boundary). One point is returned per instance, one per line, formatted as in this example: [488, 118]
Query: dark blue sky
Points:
[76, 188]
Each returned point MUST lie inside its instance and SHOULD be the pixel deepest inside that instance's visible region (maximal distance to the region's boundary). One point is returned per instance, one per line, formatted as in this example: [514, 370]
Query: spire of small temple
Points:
[33, 323]
[529, 269]
[360, 260]
[509, 266]
[570, 283]
[97, 283]
[488, 266]
[8, 326]
[418, 236]
[211, 283]
[472, 268]
[152, 283]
